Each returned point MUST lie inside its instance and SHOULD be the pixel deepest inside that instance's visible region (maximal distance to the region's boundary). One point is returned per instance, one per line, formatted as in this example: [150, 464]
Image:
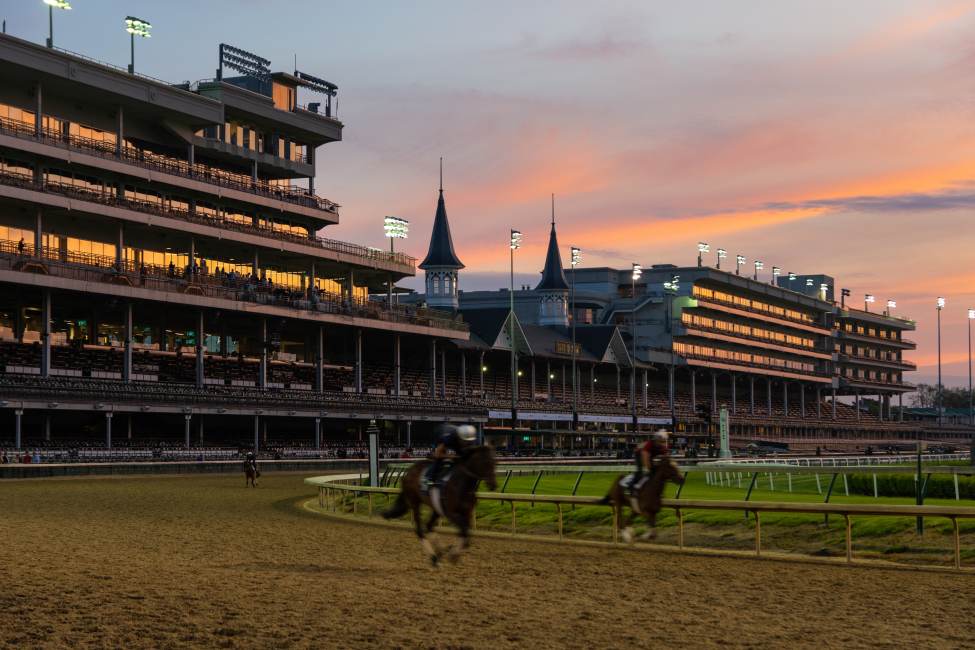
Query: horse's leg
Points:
[463, 522]
[420, 533]
[652, 521]
[628, 528]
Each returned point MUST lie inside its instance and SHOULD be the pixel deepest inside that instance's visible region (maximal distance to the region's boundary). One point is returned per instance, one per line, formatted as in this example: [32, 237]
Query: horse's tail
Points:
[398, 509]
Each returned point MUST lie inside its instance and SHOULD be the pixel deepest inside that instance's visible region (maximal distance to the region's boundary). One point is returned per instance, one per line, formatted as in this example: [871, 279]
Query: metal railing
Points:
[169, 165]
[330, 487]
[109, 197]
[103, 269]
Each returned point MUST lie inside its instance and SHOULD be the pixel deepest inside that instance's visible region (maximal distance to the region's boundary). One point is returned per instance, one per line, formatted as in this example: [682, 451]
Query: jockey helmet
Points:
[467, 432]
[660, 436]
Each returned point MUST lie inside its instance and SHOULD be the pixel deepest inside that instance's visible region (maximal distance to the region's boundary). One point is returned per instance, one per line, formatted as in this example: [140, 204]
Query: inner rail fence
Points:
[335, 491]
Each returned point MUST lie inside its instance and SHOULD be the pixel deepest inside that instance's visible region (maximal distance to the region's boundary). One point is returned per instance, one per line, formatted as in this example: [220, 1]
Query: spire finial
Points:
[441, 173]
[553, 209]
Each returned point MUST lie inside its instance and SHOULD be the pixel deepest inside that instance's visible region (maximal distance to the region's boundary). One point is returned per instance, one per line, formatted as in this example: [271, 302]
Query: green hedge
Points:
[940, 486]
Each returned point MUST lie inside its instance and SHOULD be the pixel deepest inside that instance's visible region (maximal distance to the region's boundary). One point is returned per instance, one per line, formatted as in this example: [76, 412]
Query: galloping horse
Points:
[647, 499]
[251, 474]
[454, 500]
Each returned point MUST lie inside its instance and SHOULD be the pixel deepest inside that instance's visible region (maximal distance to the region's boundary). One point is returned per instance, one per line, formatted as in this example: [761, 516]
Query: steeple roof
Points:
[553, 278]
[441, 252]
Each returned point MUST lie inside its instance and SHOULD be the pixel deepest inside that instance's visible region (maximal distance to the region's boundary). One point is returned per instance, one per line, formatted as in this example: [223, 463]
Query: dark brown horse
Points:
[455, 498]
[646, 502]
[251, 474]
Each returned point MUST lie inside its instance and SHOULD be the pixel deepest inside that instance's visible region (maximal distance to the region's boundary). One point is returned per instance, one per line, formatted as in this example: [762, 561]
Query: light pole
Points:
[776, 272]
[51, 6]
[844, 294]
[739, 260]
[868, 299]
[515, 244]
[941, 305]
[759, 265]
[671, 289]
[575, 259]
[702, 248]
[891, 305]
[394, 228]
[634, 276]
[136, 27]
[971, 411]
[722, 253]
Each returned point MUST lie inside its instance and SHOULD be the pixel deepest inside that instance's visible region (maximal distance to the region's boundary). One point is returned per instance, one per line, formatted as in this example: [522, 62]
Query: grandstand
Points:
[162, 268]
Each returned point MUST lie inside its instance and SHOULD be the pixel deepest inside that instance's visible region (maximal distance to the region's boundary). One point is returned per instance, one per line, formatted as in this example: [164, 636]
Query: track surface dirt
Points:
[203, 562]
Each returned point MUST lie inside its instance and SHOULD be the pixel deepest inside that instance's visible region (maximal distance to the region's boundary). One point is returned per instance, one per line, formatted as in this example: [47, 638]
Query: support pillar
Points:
[714, 393]
[108, 430]
[443, 372]
[257, 433]
[548, 380]
[199, 350]
[785, 399]
[187, 419]
[819, 403]
[318, 433]
[532, 368]
[320, 361]
[38, 110]
[262, 370]
[199, 430]
[433, 369]
[858, 406]
[463, 374]
[47, 427]
[409, 434]
[802, 401]
[46, 333]
[734, 394]
[358, 360]
[38, 234]
[751, 395]
[127, 353]
[693, 391]
[592, 382]
[833, 401]
[646, 389]
[769, 395]
[670, 388]
[900, 407]
[396, 365]
[18, 414]
[119, 132]
[480, 374]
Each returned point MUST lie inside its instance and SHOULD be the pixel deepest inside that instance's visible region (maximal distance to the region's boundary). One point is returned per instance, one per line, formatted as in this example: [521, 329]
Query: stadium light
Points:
[844, 294]
[891, 304]
[759, 265]
[776, 272]
[136, 27]
[971, 396]
[672, 285]
[702, 248]
[514, 243]
[575, 259]
[637, 271]
[940, 306]
[941, 303]
[576, 256]
[867, 300]
[51, 6]
[739, 260]
[396, 228]
[515, 240]
[823, 290]
[722, 253]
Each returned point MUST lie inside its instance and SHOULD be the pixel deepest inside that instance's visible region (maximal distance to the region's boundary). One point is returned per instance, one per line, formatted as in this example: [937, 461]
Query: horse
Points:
[251, 474]
[455, 498]
[647, 499]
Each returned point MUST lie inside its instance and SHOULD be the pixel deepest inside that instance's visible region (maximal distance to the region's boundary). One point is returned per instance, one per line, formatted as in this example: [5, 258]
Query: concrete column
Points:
[47, 428]
[17, 438]
[318, 433]
[108, 430]
[46, 333]
[532, 369]
[186, 429]
[463, 373]
[397, 369]
[819, 403]
[199, 430]
[751, 395]
[257, 433]
[548, 380]
[119, 132]
[128, 427]
[833, 401]
[592, 381]
[257, 264]
[734, 393]
[39, 233]
[900, 407]
[785, 399]
[254, 172]
[646, 388]
[191, 156]
[127, 353]
[880, 407]
[802, 400]
[358, 361]
[617, 381]
[769, 395]
[858, 405]
[693, 390]
[433, 368]
[120, 248]
[38, 111]
[320, 360]
[409, 434]
[563, 382]
[199, 350]
[193, 268]
[670, 387]
[262, 370]
[480, 374]
[443, 372]
[714, 393]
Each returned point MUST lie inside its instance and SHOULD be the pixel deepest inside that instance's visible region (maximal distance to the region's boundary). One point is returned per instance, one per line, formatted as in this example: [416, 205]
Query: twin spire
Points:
[553, 277]
[441, 252]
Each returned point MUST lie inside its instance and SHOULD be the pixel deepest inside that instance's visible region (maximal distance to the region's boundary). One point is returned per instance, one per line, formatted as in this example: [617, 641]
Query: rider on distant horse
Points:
[647, 452]
[450, 439]
[251, 462]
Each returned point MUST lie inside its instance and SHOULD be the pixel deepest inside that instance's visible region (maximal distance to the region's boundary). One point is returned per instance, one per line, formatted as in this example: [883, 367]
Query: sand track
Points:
[203, 562]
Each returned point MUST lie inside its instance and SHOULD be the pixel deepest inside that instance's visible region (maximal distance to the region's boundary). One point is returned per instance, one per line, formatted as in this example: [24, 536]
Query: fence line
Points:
[332, 491]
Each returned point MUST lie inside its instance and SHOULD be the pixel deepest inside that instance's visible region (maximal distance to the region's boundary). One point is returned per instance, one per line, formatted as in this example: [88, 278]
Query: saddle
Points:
[627, 481]
[428, 482]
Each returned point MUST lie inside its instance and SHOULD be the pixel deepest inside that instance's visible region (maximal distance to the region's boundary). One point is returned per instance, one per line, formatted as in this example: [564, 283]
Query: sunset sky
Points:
[829, 137]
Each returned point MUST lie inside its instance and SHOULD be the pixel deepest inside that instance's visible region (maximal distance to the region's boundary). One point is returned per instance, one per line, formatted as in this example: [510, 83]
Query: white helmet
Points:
[467, 432]
[660, 436]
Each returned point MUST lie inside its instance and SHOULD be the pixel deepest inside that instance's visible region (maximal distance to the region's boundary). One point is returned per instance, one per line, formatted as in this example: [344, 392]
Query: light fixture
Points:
[792, 276]
[941, 303]
[51, 6]
[136, 27]
[637, 271]
[551, 375]
[722, 253]
[776, 272]
[739, 260]
[575, 257]
[759, 265]
[891, 304]
[396, 228]
[867, 300]
[971, 314]
[515, 240]
[809, 282]
[519, 373]
[702, 248]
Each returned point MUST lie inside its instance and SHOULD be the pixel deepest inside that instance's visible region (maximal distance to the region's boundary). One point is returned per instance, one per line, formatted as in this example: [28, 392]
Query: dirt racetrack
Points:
[204, 562]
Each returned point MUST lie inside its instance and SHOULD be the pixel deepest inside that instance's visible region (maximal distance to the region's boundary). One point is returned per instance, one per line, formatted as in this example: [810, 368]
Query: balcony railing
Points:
[94, 268]
[169, 165]
[746, 338]
[754, 310]
[844, 356]
[369, 256]
[876, 339]
[748, 363]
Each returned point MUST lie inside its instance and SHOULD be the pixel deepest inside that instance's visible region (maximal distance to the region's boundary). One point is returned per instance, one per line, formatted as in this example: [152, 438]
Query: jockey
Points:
[251, 461]
[647, 452]
[450, 439]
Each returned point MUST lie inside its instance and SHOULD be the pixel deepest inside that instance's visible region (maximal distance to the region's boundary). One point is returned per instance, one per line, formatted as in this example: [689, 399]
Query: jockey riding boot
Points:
[435, 469]
[637, 475]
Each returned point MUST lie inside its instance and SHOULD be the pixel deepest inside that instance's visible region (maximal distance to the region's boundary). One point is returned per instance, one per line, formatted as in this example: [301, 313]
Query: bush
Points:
[902, 485]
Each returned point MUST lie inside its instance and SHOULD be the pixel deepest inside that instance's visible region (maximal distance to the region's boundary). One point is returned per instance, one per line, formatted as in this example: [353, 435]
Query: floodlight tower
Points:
[514, 244]
[722, 253]
[759, 265]
[776, 272]
[739, 260]
[136, 27]
[634, 276]
[702, 248]
[394, 228]
[575, 259]
[971, 411]
[868, 299]
[891, 305]
[940, 306]
[51, 6]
